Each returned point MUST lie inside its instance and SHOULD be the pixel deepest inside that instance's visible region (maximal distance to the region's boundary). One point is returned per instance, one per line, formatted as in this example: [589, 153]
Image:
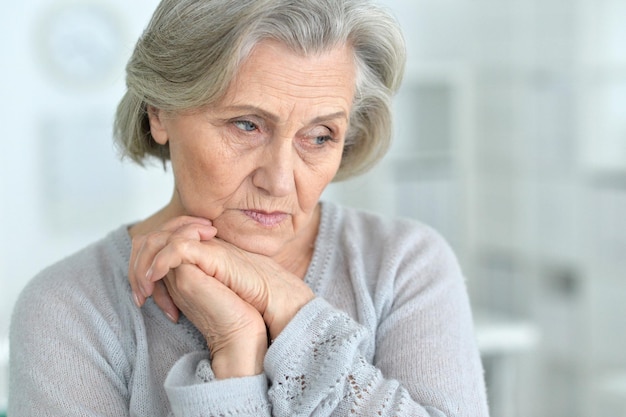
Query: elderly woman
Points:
[278, 304]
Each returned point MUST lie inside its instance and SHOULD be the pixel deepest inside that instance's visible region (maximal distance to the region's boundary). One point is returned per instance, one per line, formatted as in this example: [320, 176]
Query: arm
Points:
[60, 363]
[425, 362]
[193, 390]
[193, 271]
[229, 379]
[427, 340]
[420, 356]
[328, 374]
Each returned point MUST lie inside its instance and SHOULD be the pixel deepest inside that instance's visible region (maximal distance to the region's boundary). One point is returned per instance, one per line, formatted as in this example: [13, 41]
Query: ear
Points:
[158, 129]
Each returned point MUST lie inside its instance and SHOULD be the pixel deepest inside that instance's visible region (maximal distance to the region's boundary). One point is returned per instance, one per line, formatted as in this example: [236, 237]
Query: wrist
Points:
[240, 359]
[290, 308]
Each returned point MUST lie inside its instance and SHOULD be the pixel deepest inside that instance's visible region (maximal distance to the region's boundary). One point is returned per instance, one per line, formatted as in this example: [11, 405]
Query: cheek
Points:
[205, 178]
[193, 163]
[311, 187]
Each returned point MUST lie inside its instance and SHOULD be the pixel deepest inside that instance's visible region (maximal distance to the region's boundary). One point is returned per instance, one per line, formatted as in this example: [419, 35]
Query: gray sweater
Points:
[389, 334]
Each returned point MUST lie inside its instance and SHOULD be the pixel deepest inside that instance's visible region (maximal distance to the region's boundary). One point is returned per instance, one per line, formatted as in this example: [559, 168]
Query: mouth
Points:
[266, 219]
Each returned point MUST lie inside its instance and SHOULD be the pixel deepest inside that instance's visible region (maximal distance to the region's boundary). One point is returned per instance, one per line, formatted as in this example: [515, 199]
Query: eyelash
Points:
[327, 138]
[237, 123]
[254, 127]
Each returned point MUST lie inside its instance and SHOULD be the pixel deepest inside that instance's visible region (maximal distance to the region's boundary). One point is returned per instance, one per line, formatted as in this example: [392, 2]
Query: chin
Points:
[261, 246]
[267, 243]
[252, 237]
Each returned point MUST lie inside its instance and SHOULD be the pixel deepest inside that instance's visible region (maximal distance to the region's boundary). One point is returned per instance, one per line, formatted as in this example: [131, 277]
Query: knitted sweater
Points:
[389, 334]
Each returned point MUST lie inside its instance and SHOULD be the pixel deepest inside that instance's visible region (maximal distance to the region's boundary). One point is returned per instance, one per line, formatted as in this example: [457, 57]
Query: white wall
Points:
[61, 183]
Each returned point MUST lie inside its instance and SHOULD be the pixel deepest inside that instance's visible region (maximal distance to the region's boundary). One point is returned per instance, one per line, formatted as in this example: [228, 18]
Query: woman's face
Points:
[257, 162]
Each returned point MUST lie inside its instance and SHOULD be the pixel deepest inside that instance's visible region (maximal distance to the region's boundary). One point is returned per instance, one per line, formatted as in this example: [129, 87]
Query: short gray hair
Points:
[191, 50]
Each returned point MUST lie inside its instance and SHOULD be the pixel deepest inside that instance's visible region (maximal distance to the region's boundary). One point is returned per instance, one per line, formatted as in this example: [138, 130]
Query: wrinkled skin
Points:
[232, 246]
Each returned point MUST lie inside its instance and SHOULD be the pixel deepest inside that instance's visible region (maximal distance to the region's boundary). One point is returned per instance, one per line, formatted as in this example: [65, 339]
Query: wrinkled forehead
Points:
[273, 69]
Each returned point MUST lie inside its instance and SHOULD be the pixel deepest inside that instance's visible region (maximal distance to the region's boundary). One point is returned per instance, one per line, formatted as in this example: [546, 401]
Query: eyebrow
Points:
[274, 118]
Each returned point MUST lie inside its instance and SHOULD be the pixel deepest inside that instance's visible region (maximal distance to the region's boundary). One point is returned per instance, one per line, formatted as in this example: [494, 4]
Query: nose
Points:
[275, 173]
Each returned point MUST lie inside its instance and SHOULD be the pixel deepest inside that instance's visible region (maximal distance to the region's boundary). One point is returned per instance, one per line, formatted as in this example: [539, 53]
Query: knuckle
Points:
[137, 242]
[190, 230]
[154, 240]
[180, 246]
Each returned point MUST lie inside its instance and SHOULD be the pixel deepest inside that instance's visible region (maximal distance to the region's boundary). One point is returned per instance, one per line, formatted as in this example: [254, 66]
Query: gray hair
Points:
[191, 50]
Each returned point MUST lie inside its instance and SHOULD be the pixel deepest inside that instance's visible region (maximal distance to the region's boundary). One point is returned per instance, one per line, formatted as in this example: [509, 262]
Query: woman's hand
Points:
[273, 291]
[234, 330]
[144, 247]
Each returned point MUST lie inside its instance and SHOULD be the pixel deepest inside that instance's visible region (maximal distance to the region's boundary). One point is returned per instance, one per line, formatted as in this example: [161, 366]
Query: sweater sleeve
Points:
[63, 362]
[425, 363]
[426, 339]
[193, 391]
[316, 367]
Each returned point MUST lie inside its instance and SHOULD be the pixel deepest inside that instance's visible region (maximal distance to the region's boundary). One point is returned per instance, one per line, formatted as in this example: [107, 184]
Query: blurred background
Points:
[510, 140]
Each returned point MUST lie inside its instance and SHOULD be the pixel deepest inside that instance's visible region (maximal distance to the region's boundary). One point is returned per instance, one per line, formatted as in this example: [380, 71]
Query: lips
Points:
[266, 219]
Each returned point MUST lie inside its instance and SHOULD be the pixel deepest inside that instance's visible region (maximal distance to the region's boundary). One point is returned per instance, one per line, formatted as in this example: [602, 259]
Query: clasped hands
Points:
[235, 298]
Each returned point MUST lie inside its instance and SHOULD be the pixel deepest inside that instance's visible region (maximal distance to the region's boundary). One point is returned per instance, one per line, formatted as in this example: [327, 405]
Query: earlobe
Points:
[157, 127]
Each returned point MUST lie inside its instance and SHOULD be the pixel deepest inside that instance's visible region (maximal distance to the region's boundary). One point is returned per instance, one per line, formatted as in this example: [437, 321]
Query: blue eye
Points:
[320, 140]
[245, 125]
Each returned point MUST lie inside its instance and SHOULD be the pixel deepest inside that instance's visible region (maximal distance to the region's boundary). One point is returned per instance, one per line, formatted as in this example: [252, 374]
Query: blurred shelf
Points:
[499, 335]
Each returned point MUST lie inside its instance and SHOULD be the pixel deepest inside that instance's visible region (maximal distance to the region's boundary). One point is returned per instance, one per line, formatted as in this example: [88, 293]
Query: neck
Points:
[297, 255]
[154, 222]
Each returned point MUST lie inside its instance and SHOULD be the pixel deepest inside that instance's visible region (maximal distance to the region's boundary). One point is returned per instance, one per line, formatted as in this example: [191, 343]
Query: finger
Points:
[136, 243]
[143, 249]
[171, 226]
[162, 298]
[180, 221]
[147, 246]
[192, 289]
[217, 311]
[157, 241]
[214, 258]
[176, 253]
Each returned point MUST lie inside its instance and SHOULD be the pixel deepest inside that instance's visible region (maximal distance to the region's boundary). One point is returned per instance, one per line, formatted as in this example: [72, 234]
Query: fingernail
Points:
[169, 316]
[136, 299]
[149, 274]
[142, 291]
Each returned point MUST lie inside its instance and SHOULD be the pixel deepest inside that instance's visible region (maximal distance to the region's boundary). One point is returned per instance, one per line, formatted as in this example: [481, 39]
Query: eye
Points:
[245, 125]
[320, 140]
[319, 137]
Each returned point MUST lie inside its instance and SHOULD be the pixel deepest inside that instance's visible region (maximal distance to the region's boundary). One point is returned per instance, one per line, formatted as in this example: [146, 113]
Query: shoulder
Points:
[392, 238]
[70, 324]
[398, 256]
[89, 281]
